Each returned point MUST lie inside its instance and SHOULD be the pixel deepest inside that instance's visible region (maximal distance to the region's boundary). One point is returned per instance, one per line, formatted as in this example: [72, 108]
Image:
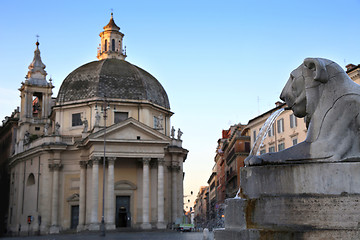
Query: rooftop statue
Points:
[320, 91]
[86, 125]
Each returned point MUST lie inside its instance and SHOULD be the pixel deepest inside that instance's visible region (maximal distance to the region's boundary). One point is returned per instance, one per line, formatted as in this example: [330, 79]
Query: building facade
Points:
[224, 181]
[354, 72]
[236, 148]
[201, 207]
[220, 169]
[212, 198]
[102, 151]
[8, 132]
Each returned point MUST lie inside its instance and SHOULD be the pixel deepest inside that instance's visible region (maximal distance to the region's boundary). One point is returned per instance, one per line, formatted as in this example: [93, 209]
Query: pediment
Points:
[73, 198]
[129, 130]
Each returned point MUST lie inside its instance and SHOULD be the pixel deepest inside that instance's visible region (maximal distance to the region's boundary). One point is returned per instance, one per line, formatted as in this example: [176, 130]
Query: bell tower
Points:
[111, 42]
[35, 95]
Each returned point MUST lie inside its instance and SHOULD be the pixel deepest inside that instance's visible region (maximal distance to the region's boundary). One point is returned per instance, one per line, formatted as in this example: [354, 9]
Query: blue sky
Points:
[221, 62]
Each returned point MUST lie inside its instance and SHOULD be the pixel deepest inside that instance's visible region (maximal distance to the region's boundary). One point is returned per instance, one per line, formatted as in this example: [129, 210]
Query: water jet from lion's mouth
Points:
[264, 130]
[261, 137]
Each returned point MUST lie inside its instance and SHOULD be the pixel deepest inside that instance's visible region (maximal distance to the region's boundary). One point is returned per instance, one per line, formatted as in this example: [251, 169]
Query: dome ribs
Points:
[114, 78]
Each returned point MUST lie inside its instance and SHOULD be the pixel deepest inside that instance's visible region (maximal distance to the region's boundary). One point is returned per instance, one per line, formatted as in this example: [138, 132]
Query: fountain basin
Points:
[296, 201]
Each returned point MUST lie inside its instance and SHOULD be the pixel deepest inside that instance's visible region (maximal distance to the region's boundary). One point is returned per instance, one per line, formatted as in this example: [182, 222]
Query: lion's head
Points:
[294, 92]
[303, 89]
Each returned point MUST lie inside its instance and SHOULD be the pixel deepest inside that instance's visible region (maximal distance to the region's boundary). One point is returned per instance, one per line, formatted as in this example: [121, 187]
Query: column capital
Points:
[55, 166]
[89, 163]
[146, 160]
[83, 164]
[111, 160]
[161, 161]
[174, 168]
[95, 160]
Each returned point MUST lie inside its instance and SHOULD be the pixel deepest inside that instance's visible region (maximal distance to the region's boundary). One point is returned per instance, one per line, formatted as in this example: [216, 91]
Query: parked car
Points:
[186, 227]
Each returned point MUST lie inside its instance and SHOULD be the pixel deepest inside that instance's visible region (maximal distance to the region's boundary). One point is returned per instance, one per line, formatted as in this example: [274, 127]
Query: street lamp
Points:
[104, 107]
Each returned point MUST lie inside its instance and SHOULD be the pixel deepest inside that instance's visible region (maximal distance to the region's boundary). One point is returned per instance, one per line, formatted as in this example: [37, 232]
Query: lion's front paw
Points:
[253, 161]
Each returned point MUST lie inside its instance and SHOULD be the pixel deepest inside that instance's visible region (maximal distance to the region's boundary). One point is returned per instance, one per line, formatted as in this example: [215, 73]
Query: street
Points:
[121, 235]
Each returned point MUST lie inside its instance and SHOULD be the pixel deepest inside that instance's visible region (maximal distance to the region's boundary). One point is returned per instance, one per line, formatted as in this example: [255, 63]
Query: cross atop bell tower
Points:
[111, 42]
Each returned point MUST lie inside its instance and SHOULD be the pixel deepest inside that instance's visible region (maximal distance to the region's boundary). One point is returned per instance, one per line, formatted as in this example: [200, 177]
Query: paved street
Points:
[120, 236]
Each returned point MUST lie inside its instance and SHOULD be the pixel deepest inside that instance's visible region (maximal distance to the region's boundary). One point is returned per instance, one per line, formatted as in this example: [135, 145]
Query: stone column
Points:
[25, 111]
[82, 196]
[174, 183]
[55, 167]
[94, 224]
[30, 107]
[145, 216]
[160, 207]
[180, 180]
[110, 211]
[43, 106]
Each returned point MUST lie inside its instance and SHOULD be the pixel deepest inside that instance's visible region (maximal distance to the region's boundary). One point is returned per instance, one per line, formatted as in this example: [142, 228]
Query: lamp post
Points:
[105, 106]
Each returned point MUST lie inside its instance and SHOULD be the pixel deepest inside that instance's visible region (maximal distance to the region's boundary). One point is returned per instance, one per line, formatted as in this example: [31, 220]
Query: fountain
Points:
[261, 137]
[264, 130]
[311, 190]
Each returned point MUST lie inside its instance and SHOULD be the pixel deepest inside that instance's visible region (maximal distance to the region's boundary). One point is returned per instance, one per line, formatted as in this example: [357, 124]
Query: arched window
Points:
[31, 180]
[113, 45]
[105, 45]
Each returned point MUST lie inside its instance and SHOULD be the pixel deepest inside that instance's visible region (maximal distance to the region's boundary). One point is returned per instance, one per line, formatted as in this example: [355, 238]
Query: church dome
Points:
[113, 78]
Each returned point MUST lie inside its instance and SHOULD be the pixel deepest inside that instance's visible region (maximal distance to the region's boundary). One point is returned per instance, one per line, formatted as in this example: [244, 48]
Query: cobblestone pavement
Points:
[120, 236]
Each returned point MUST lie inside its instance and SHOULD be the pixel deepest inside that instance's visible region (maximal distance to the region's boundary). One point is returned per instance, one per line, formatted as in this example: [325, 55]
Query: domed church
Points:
[102, 153]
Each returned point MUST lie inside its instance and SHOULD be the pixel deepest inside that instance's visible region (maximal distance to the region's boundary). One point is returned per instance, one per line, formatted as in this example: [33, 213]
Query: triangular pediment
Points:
[129, 130]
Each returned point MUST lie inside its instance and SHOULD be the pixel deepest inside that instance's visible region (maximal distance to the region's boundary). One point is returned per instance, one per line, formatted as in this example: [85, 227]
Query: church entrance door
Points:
[74, 216]
[123, 217]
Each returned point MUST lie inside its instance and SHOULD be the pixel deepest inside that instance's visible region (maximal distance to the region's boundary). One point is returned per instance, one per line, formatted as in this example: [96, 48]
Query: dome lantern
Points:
[111, 45]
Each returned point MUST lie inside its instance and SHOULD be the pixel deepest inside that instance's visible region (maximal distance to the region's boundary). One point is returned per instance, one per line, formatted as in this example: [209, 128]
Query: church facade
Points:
[102, 151]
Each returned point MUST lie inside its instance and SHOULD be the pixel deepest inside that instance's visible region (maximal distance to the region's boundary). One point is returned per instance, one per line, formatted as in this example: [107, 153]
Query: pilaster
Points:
[55, 168]
[174, 191]
[82, 196]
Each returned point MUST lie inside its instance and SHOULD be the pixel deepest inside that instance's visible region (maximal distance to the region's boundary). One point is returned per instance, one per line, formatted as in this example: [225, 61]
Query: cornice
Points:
[35, 151]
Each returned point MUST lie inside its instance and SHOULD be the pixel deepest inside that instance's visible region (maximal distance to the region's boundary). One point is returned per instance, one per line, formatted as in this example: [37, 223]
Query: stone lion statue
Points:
[322, 92]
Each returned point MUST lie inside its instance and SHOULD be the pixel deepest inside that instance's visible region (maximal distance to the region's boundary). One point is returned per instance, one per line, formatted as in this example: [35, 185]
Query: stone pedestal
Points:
[296, 201]
[94, 227]
[54, 230]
